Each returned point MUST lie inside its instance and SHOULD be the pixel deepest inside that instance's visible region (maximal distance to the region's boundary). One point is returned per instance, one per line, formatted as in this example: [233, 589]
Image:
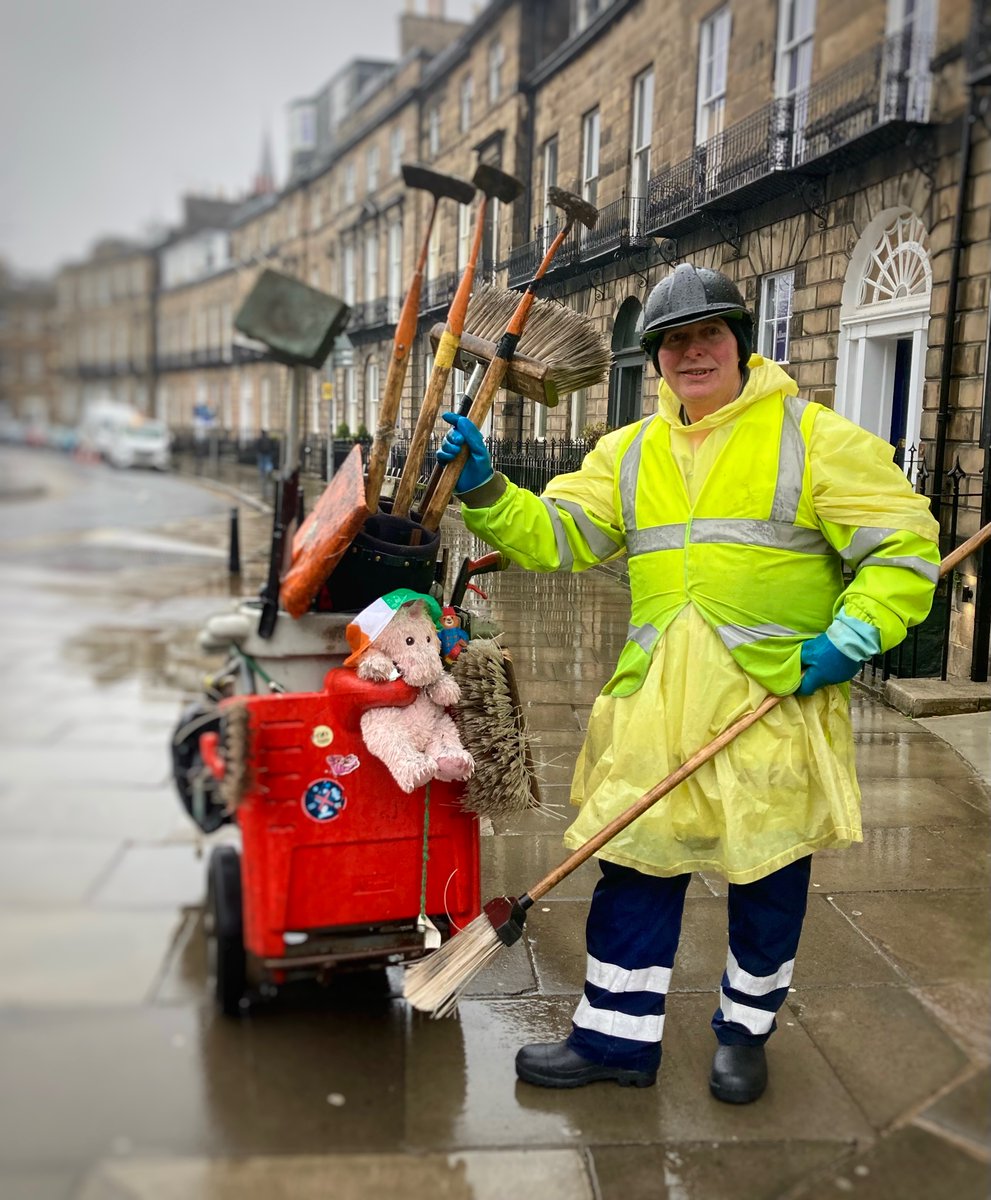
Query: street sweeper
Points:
[773, 547]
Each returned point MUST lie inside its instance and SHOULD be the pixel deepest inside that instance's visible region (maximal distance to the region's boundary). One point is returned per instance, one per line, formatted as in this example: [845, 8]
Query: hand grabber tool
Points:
[575, 209]
[492, 183]
[440, 187]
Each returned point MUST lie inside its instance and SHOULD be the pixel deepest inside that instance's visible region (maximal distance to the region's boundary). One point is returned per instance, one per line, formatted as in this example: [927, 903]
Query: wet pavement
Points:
[120, 1082]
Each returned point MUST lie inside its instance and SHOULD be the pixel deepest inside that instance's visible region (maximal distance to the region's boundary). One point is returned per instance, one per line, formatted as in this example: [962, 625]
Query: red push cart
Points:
[333, 863]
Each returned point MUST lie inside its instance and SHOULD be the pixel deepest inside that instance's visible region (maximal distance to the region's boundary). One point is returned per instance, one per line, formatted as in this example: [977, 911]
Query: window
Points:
[372, 169]
[433, 131]
[266, 403]
[793, 69]
[643, 115]
[540, 422]
[371, 266]
[714, 34]
[583, 13]
[316, 209]
[350, 283]
[550, 180]
[467, 92]
[304, 127]
[464, 234]
[496, 59]
[371, 395]
[590, 156]
[433, 252]
[579, 406]
[397, 146]
[775, 315]
[395, 269]
[350, 183]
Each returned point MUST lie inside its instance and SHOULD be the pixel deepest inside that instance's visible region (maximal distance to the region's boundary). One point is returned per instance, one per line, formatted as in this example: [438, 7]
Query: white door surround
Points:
[886, 299]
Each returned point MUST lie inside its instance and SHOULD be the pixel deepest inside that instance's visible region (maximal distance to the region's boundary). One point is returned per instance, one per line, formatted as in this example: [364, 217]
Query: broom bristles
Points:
[436, 983]
[493, 730]
[567, 342]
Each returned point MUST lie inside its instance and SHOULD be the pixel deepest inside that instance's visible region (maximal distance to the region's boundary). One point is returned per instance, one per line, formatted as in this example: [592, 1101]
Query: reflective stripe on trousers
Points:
[632, 934]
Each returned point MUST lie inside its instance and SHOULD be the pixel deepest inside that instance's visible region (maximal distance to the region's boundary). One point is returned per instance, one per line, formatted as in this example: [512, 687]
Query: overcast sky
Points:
[110, 110]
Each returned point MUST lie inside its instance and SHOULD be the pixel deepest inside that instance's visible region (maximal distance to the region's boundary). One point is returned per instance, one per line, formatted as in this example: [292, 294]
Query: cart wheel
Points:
[224, 930]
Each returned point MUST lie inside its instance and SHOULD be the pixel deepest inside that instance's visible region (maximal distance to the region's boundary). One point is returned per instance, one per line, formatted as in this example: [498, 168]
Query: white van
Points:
[124, 437]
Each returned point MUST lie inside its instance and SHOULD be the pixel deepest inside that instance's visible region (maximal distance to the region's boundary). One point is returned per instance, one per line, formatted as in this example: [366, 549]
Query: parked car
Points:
[124, 437]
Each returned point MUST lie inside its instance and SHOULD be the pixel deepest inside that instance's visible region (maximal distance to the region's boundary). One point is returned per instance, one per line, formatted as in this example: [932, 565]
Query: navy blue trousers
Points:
[631, 936]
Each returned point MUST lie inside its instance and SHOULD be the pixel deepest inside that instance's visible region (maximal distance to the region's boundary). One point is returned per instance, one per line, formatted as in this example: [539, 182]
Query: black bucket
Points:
[379, 560]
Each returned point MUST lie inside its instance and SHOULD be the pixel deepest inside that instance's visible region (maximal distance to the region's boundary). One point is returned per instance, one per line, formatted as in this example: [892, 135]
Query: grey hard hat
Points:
[691, 294]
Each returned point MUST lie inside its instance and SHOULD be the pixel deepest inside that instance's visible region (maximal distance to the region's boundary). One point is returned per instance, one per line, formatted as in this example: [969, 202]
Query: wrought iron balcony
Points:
[370, 314]
[979, 42]
[439, 292]
[621, 226]
[851, 114]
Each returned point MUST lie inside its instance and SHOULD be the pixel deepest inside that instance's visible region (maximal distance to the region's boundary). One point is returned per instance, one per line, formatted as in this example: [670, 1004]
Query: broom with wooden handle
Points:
[435, 984]
[492, 184]
[575, 210]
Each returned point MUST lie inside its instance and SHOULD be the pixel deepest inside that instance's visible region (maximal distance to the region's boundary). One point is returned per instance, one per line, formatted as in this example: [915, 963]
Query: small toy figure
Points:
[396, 637]
[452, 636]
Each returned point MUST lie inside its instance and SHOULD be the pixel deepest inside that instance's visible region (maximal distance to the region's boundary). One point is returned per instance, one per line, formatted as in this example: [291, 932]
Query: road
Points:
[120, 1082]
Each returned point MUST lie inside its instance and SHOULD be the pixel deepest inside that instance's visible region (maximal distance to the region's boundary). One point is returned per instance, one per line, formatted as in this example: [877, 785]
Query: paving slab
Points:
[917, 802]
[519, 862]
[931, 936]
[888, 1051]
[154, 876]
[84, 810]
[47, 872]
[969, 734]
[181, 1080]
[911, 1163]
[964, 1011]
[964, 1113]
[898, 859]
[53, 1184]
[75, 957]
[471, 1175]
[709, 1170]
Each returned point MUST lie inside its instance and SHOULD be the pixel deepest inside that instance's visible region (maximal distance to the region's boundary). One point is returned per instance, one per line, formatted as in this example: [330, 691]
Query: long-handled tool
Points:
[575, 209]
[435, 984]
[439, 186]
[492, 184]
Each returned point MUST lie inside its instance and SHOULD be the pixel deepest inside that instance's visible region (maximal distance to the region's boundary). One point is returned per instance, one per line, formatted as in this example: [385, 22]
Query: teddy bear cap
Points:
[370, 622]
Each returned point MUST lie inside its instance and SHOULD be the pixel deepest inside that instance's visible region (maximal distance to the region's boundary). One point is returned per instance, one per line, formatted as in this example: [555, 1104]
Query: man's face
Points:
[700, 364]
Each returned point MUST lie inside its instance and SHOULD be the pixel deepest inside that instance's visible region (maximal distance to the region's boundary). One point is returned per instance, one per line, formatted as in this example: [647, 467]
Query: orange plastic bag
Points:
[322, 539]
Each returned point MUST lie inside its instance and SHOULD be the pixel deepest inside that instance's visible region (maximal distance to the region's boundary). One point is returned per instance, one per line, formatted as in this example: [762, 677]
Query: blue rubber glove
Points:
[838, 654]
[825, 664]
[478, 469]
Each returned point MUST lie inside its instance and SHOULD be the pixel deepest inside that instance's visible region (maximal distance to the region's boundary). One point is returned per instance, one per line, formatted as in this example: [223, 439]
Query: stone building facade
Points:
[106, 329]
[28, 351]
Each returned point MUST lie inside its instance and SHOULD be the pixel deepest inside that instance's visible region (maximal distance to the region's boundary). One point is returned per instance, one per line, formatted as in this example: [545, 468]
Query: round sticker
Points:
[324, 800]
[322, 735]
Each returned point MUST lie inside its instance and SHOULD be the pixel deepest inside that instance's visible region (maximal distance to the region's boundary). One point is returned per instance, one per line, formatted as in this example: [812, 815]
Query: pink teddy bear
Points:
[395, 637]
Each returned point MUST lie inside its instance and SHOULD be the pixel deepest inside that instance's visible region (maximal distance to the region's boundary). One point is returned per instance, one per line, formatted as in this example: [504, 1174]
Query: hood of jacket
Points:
[764, 377]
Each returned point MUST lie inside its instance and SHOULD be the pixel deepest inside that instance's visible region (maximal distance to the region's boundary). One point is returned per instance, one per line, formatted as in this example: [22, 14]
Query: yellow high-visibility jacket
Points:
[737, 529]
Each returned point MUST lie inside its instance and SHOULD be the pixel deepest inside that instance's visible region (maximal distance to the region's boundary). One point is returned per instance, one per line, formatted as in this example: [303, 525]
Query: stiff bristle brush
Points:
[560, 351]
[435, 984]
[493, 729]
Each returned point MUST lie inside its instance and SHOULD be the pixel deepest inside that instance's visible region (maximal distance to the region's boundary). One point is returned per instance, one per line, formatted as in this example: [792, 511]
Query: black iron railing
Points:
[439, 292]
[925, 651]
[884, 86]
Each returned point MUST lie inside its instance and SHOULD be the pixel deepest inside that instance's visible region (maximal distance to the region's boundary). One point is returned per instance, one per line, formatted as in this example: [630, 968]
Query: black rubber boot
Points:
[556, 1065]
[739, 1074]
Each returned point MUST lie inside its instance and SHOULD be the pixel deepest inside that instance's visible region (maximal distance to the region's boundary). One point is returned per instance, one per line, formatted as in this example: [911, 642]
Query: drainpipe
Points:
[982, 603]
[943, 412]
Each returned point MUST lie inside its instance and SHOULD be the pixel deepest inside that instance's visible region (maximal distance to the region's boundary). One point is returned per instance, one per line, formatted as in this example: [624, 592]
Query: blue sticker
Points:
[324, 800]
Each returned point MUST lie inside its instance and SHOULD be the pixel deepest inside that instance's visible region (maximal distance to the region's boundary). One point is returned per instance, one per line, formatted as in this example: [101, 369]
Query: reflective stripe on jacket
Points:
[796, 492]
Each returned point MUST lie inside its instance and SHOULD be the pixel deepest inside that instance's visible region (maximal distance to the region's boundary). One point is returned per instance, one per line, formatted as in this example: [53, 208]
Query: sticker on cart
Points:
[322, 735]
[324, 800]
[343, 764]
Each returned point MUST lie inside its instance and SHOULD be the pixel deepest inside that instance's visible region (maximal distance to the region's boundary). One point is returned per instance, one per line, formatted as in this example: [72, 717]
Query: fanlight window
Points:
[899, 264]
